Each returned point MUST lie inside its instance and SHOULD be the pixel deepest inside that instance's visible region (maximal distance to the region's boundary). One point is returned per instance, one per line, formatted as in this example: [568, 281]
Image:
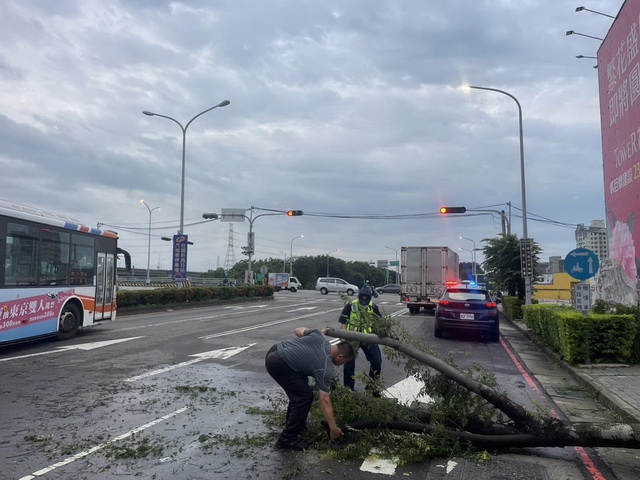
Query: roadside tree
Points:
[502, 264]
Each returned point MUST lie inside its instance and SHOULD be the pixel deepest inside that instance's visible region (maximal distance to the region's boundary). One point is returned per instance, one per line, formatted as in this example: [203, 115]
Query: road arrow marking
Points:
[375, 464]
[66, 348]
[223, 354]
[91, 346]
[407, 391]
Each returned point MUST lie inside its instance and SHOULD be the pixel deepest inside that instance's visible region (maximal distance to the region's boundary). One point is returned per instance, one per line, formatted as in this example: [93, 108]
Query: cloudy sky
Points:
[351, 111]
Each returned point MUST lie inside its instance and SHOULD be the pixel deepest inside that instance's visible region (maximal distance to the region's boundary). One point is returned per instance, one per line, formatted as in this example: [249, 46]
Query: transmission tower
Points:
[230, 259]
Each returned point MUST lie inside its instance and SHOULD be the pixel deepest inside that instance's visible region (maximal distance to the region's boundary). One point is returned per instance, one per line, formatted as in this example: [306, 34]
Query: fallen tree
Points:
[523, 428]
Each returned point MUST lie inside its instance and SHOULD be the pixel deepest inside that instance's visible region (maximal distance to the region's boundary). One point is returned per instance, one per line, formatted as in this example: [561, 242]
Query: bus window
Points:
[54, 257]
[82, 260]
[21, 254]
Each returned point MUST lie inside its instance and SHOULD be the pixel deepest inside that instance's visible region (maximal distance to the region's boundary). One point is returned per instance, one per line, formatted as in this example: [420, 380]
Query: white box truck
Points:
[284, 281]
[424, 273]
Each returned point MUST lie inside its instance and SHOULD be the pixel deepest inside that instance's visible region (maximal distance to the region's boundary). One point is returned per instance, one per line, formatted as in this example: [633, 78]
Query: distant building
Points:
[556, 264]
[555, 288]
[594, 238]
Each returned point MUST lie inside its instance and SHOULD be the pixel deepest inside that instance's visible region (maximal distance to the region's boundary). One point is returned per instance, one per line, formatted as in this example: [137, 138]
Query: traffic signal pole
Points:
[250, 249]
[460, 210]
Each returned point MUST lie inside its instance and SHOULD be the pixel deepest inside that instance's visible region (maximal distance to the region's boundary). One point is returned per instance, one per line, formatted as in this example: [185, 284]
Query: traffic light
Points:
[294, 213]
[247, 251]
[445, 210]
[210, 215]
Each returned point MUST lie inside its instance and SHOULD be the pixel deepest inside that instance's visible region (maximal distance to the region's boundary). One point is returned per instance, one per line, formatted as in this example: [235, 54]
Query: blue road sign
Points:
[581, 263]
[179, 270]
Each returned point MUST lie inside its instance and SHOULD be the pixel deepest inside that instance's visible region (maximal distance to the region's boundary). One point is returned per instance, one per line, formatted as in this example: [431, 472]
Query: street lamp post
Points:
[473, 256]
[336, 250]
[184, 149]
[151, 210]
[291, 254]
[397, 264]
[525, 235]
[473, 267]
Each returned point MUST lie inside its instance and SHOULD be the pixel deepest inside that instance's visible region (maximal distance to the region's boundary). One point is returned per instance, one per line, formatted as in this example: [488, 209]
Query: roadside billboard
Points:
[619, 88]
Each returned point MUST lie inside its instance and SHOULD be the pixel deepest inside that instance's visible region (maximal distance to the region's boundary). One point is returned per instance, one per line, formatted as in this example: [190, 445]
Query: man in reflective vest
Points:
[359, 316]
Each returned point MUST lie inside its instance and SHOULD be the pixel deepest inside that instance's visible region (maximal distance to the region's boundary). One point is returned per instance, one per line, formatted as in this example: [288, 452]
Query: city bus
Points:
[56, 275]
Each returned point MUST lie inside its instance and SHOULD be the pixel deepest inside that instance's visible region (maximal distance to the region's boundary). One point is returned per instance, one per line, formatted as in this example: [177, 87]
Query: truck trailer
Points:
[425, 272]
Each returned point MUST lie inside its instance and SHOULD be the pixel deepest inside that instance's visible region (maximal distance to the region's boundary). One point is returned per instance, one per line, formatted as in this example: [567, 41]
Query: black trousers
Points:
[296, 386]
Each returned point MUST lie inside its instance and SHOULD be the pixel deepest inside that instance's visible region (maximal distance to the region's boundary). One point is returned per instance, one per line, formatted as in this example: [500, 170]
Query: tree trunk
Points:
[534, 431]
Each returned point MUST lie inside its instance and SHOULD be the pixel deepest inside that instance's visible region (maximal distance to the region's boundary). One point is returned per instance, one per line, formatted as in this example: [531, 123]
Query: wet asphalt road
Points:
[158, 396]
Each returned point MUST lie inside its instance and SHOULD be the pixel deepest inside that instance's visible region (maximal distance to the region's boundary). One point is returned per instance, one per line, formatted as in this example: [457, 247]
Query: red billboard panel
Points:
[619, 85]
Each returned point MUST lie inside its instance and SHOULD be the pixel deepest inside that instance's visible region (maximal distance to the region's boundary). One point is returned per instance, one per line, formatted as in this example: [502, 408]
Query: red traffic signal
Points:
[445, 210]
[294, 213]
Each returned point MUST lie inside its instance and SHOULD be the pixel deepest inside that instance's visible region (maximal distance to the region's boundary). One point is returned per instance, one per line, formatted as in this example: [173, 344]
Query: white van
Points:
[331, 284]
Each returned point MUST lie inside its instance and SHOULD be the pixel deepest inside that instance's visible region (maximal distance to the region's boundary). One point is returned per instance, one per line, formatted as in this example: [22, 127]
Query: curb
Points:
[601, 392]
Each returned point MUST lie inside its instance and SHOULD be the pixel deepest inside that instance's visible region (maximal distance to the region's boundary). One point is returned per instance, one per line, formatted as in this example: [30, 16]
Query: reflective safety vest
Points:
[358, 322]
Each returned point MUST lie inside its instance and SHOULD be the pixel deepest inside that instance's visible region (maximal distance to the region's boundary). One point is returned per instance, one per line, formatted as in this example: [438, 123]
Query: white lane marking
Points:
[302, 308]
[81, 346]
[375, 464]
[195, 319]
[407, 391]
[263, 325]
[223, 353]
[449, 466]
[91, 450]
[244, 307]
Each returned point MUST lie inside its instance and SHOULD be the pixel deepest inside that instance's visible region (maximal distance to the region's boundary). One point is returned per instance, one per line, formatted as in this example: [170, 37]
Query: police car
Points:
[467, 306]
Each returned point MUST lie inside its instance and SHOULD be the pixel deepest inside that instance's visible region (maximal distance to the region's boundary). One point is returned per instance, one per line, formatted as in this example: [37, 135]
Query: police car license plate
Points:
[466, 316]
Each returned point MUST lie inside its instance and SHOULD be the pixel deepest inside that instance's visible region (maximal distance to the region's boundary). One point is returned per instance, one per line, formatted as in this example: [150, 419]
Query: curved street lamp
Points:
[473, 267]
[336, 250]
[291, 254]
[473, 256]
[151, 210]
[525, 235]
[584, 9]
[397, 264]
[184, 144]
[572, 32]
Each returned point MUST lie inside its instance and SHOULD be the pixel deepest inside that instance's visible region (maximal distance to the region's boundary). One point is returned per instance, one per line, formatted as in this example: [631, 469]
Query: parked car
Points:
[331, 284]
[389, 288]
[467, 306]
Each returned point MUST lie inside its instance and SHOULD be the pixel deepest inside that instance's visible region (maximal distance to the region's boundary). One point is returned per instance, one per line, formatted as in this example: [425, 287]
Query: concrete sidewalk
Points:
[617, 386]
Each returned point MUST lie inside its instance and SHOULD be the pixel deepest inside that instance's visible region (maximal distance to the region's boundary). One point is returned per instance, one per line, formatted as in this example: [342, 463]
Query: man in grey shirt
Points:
[291, 363]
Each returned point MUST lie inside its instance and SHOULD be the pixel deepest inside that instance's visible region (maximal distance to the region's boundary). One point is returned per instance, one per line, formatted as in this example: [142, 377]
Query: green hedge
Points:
[172, 296]
[512, 306]
[579, 338]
